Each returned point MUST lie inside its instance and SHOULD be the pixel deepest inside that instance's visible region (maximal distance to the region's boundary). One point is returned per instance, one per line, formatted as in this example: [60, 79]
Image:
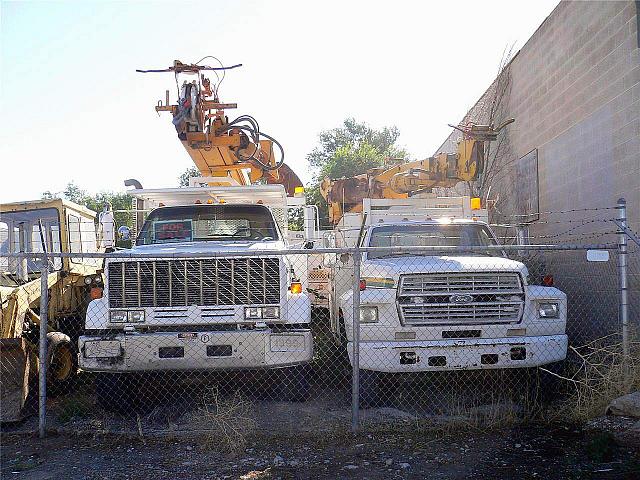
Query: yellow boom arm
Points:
[234, 152]
[410, 178]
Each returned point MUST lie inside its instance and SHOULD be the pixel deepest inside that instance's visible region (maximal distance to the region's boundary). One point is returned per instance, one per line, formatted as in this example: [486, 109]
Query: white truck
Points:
[194, 295]
[439, 311]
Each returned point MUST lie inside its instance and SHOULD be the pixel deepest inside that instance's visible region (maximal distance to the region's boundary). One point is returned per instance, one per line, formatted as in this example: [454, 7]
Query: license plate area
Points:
[102, 349]
[286, 343]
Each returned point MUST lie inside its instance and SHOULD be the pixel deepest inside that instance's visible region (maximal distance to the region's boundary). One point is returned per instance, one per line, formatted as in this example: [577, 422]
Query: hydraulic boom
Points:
[232, 152]
[402, 180]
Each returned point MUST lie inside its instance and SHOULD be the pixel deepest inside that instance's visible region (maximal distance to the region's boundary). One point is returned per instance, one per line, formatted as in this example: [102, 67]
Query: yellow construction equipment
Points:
[227, 152]
[399, 179]
[54, 226]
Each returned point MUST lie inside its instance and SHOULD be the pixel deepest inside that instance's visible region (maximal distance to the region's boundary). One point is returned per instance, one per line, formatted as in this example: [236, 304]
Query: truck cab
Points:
[54, 226]
[206, 287]
[439, 311]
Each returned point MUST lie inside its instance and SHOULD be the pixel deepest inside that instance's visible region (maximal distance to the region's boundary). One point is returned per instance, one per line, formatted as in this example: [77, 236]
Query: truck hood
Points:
[393, 267]
[197, 248]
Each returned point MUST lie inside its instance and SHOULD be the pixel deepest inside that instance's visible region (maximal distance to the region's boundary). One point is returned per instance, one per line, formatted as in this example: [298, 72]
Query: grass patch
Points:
[71, 408]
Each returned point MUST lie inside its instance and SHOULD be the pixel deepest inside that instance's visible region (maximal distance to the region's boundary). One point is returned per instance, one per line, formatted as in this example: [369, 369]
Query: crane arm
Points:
[234, 152]
[403, 180]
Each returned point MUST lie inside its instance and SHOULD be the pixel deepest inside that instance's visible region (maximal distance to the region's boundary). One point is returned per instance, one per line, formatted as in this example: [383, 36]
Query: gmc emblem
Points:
[461, 298]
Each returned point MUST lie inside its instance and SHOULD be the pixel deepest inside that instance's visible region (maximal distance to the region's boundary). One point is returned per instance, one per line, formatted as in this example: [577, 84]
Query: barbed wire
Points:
[551, 212]
[584, 236]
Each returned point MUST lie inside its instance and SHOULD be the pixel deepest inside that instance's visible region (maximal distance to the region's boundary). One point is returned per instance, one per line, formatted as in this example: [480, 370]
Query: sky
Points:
[74, 109]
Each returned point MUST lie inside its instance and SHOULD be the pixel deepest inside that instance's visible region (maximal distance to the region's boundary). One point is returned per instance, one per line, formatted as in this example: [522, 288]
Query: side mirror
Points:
[106, 233]
[124, 233]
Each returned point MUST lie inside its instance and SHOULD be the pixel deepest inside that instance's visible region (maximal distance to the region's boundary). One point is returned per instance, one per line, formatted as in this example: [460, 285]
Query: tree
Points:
[349, 150]
[183, 179]
[353, 149]
[499, 157]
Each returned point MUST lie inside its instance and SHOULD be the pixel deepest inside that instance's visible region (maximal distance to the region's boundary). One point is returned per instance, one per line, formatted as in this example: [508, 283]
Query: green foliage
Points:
[73, 407]
[295, 219]
[183, 180]
[346, 151]
[352, 149]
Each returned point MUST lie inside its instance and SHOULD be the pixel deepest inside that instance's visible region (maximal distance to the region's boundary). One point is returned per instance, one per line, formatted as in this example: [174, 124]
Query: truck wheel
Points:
[293, 383]
[541, 387]
[342, 331]
[117, 392]
[370, 389]
[62, 363]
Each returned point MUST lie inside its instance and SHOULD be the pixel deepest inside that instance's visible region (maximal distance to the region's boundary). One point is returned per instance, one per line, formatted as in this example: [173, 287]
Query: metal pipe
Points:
[44, 364]
[623, 284]
[355, 379]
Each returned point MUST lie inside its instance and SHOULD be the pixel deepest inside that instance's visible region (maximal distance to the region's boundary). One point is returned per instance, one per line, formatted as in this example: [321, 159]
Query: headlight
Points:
[548, 310]
[87, 280]
[368, 314]
[253, 313]
[136, 316]
[270, 312]
[261, 313]
[118, 316]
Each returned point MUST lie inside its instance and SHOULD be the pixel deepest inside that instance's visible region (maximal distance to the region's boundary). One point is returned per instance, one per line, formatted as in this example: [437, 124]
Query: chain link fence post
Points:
[355, 377]
[42, 356]
[623, 285]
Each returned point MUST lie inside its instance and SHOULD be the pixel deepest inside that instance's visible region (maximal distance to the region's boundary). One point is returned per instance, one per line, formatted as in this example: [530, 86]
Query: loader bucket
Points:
[14, 378]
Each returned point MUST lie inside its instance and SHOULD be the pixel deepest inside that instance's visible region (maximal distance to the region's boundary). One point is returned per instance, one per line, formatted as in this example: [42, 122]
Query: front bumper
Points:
[461, 354]
[216, 350]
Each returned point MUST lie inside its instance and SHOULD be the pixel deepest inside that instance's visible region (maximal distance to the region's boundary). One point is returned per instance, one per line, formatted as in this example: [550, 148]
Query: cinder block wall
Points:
[574, 90]
[575, 94]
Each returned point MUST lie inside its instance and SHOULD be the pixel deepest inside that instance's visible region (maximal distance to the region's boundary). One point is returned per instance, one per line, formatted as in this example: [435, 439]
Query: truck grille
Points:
[460, 298]
[171, 283]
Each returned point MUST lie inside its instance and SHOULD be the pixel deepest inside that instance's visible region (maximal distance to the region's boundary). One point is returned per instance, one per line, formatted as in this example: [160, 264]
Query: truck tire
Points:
[118, 392]
[293, 383]
[370, 389]
[541, 388]
[62, 361]
[342, 331]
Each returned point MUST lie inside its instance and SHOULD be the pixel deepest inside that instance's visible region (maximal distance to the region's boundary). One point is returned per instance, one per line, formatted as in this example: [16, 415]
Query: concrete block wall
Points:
[575, 94]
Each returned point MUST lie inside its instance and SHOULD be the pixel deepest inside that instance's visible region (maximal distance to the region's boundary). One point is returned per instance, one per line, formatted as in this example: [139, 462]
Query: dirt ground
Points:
[606, 449]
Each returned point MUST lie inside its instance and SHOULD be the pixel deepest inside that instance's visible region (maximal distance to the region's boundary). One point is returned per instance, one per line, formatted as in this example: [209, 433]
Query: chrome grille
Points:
[460, 298]
[171, 283]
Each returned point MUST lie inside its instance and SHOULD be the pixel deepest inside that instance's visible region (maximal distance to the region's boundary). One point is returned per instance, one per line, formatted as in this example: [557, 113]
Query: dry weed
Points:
[227, 421]
[602, 374]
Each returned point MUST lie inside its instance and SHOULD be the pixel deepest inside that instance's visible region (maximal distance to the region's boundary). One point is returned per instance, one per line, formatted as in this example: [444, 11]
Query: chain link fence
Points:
[314, 339]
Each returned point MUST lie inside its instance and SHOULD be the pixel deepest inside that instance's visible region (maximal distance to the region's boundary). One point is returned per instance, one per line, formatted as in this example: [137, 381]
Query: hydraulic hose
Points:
[255, 133]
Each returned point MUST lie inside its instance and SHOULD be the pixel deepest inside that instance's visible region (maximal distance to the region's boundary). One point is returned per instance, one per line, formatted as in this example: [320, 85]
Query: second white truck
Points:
[438, 311]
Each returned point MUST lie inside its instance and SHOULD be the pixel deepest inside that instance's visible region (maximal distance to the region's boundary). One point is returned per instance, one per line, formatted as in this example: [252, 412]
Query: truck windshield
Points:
[195, 223]
[20, 232]
[431, 235]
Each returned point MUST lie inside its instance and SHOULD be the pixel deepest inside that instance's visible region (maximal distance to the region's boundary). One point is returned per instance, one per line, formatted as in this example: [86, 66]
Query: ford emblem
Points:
[461, 298]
